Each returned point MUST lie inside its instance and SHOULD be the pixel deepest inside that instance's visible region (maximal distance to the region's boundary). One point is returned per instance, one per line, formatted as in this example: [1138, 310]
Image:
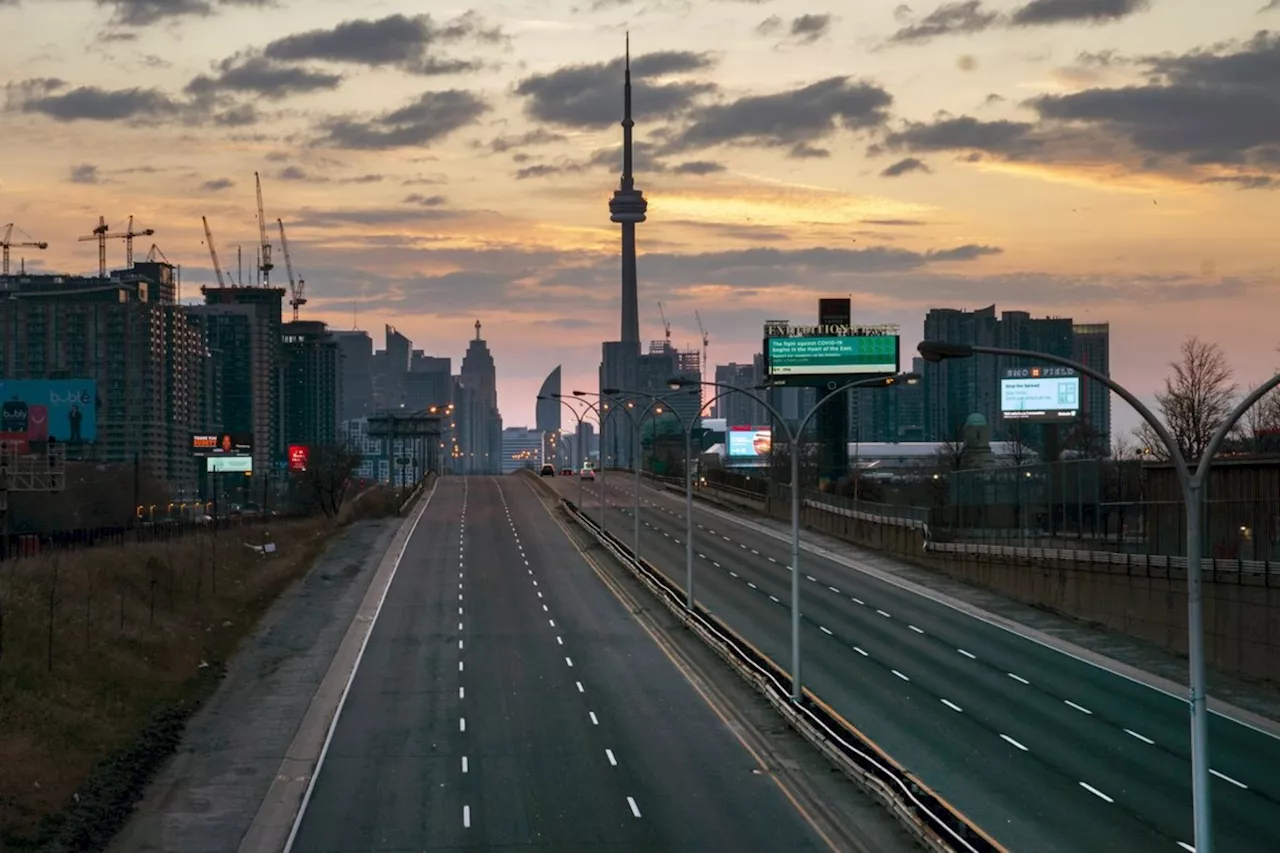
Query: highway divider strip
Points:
[937, 823]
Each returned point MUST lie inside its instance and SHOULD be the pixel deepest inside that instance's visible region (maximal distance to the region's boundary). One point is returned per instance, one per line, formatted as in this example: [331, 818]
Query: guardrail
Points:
[936, 822]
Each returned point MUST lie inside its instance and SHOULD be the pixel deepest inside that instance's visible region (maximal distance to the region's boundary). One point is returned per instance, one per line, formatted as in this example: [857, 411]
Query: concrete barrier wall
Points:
[1149, 602]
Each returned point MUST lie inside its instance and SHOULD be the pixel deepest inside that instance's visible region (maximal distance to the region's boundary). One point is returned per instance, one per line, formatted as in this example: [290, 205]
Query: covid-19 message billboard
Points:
[37, 410]
[748, 442]
[829, 353]
[1045, 394]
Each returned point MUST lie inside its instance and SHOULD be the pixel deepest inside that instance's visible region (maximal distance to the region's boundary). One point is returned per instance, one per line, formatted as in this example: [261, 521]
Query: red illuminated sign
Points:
[299, 455]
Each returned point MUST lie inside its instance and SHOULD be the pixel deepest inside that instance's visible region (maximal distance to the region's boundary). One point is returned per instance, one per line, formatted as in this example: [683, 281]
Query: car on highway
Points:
[588, 474]
[548, 470]
[566, 472]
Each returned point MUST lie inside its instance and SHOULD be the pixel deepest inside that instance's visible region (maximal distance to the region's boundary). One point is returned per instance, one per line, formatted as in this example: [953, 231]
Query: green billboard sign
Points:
[868, 355]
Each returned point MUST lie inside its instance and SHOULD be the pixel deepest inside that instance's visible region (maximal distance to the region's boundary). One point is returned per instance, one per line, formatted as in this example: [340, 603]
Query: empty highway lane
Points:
[1045, 752]
[507, 700]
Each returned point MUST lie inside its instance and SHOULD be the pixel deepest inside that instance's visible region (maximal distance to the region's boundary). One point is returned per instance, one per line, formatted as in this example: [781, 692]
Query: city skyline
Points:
[1074, 206]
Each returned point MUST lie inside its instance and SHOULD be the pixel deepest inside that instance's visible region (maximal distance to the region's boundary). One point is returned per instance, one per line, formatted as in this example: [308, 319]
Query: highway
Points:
[1043, 751]
[507, 700]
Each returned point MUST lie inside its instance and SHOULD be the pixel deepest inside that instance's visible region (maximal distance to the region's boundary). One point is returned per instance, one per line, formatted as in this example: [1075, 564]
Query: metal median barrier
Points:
[935, 822]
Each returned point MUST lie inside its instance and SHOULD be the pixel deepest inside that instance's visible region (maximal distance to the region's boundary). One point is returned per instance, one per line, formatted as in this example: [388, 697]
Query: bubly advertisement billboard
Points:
[748, 441]
[36, 410]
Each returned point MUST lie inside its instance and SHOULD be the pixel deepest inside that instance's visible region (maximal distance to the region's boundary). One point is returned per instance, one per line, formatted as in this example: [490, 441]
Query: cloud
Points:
[425, 200]
[769, 26]
[807, 29]
[590, 96]
[948, 19]
[85, 173]
[805, 151]
[298, 174]
[217, 185]
[902, 167]
[260, 76]
[894, 222]
[1247, 182]
[312, 218]
[397, 41]
[432, 116]
[141, 13]
[964, 133]
[698, 167]
[1273, 6]
[90, 103]
[1071, 11]
[788, 118]
[539, 136]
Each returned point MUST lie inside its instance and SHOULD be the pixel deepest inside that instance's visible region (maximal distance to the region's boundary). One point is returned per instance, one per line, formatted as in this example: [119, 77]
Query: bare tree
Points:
[1085, 439]
[1014, 434]
[953, 452]
[1259, 427]
[1122, 446]
[1196, 400]
[328, 474]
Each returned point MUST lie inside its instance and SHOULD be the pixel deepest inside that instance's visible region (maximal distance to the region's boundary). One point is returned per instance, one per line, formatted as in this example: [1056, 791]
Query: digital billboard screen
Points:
[222, 444]
[299, 456]
[748, 442]
[229, 464]
[36, 410]
[868, 355]
[1039, 394]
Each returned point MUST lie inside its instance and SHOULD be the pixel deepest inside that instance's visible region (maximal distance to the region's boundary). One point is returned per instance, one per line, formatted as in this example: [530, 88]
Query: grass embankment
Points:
[106, 654]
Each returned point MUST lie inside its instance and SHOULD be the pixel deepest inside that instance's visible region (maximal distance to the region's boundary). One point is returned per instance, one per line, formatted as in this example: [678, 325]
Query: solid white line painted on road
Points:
[1080, 708]
[969, 655]
[1096, 792]
[776, 600]
[826, 630]
[900, 675]
[1017, 678]
[1226, 778]
[594, 721]
[464, 764]
[462, 724]
[462, 693]
[568, 660]
[952, 705]
[861, 652]
[885, 615]
[580, 690]
[466, 817]
[635, 810]
[1014, 742]
[612, 760]
[1142, 738]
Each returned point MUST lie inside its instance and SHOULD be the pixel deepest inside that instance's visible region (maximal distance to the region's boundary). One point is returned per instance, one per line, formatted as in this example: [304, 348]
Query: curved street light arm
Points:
[1175, 452]
[849, 386]
[1224, 429]
[776, 414]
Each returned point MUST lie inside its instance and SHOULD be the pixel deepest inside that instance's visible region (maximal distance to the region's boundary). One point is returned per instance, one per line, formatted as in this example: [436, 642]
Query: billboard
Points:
[1039, 394]
[222, 444]
[832, 355]
[299, 455]
[36, 410]
[229, 464]
[748, 442]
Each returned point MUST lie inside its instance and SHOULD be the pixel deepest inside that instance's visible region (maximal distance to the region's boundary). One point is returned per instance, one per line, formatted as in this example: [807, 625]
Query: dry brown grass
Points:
[101, 646]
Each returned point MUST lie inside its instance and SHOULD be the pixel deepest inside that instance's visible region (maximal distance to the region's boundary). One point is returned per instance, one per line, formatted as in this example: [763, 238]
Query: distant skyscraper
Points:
[521, 448]
[357, 373]
[547, 417]
[1092, 348]
[312, 362]
[479, 423]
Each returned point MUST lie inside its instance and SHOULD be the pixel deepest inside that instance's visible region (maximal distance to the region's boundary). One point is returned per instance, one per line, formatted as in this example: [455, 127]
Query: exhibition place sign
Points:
[828, 330]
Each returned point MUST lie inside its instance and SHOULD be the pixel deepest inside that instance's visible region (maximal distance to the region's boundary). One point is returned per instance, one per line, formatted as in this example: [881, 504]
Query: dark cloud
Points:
[1273, 6]
[1247, 182]
[902, 167]
[805, 151]
[433, 116]
[260, 76]
[425, 200]
[85, 173]
[543, 170]
[540, 136]
[809, 28]
[310, 217]
[299, 174]
[590, 96]
[769, 26]
[90, 103]
[217, 185]
[1070, 11]
[141, 13]
[397, 41]
[948, 19]
[964, 133]
[698, 167]
[789, 118]
[363, 179]
[894, 222]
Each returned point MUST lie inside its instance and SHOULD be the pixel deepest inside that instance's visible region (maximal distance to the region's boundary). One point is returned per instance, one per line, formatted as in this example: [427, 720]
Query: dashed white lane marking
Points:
[833, 589]
[1096, 792]
[594, 721]
[703, 556]
[969, 655]
[1185, 846]
[579, 683]
[459, 611]
[539, 595]
[714, 563]
[535, 583]
[861, 652]
[462, 693]
[953, 706]
[459, 666]
[466, 817]
[885, 615]
[775, 599]
[459, 645]
[553, 622]
[560, 640]
[754, 551]
[900, 675]
[914, 628]
[1014, 742]
[812, 578]
[857, 601]
[459, 626]
[753, 586]
[1226, 778]
[771, 560]
[1080, 708]
[612, 760]
[1017, 678]
[1142, 738]
[733, 574]
[464, 764]
[546, 609]
[568, 660]
[725, 538]
[826, 630]
[635, 810]
[462, 724]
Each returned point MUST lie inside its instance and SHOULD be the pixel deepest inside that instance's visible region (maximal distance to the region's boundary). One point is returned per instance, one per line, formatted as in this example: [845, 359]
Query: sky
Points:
[1108, 160]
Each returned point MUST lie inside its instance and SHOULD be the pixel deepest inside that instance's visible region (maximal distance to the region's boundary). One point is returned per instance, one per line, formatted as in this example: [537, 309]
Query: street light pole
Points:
[577, 437]
[794, 438]
[1193, 484]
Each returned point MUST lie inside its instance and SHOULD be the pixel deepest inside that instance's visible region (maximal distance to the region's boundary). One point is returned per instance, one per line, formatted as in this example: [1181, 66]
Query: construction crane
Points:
[6, 245]
[702, 329]
[666, 327]
[100, 234]
[265, 264]
[128, 236]
[213, 253]
[156, 254]
[297, 291]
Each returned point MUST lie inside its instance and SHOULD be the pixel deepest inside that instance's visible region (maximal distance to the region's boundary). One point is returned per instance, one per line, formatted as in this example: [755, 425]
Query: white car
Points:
[588, 474]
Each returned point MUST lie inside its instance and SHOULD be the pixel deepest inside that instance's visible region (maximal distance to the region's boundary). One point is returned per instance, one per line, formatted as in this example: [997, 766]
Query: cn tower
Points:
[628, 207]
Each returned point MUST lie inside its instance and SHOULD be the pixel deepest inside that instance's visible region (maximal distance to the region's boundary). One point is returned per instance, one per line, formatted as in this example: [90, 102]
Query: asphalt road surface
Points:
[1043, 751]
[507, 700]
